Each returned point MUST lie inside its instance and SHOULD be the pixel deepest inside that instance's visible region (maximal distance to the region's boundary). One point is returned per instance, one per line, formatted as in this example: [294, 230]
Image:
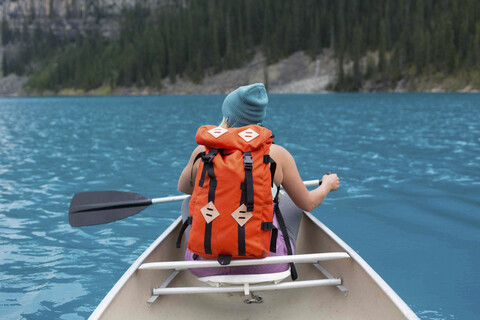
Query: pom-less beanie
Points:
[246, 105]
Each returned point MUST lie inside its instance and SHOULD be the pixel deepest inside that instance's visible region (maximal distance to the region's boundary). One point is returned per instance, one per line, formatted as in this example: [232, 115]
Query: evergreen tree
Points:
[382, 60]
[6, 33]
[450, 60]
[207, 36]
[4, 65]
[357, 40]
[476, 45]
[419, 38]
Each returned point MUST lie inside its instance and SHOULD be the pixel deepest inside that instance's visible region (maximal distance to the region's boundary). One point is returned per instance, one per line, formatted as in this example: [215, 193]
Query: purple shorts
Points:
[268, 268]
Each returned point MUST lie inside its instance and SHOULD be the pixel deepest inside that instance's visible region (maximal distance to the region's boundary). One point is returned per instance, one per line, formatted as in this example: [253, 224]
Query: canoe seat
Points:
[235, 279]
[246, 280]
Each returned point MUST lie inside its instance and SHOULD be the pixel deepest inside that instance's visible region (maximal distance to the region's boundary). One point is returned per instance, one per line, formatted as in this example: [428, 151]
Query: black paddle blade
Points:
[97, 207]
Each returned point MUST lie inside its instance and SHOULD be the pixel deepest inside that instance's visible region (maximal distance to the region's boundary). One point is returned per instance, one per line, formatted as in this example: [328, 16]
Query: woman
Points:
[245, 106]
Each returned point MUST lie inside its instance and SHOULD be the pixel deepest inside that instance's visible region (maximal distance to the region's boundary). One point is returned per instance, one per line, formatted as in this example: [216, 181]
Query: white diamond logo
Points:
[248, 135]
[210, 212]
[217, 132]
[241, 215]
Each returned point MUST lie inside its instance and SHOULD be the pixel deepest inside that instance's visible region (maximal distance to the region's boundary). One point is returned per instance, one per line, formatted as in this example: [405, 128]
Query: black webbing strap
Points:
[248, 165]
[201, 154]
[182, 231]
[273, 165]
[202, 177]
[283, 228]
[213, 182]
[241, 241]
[241, 229]
[268, 225]
[208, 168]
[207, 159]
[211, 198]
[207, 241]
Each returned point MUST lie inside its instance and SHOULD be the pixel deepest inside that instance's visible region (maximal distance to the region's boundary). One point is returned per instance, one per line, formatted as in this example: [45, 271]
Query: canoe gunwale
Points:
[97, 313]
[394, 297]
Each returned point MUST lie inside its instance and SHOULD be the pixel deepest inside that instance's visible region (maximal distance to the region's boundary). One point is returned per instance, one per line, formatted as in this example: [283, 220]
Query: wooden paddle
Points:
[98, 207]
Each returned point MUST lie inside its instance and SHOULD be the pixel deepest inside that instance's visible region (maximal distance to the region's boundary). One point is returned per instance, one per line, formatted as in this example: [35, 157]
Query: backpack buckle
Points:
[207, 158]
[224, 259]
[248, 161]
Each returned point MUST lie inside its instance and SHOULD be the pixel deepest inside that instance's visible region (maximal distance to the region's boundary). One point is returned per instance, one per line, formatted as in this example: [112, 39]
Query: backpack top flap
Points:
[253, 137]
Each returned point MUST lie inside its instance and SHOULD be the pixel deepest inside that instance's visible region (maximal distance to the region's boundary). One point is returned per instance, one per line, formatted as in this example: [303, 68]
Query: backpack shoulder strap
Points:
[200, 155]
[273, 166]
[283, 228]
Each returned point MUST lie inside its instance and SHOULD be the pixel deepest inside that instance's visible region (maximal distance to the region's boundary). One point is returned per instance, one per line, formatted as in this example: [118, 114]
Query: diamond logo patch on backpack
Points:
[241, 215]
[210, 212]
[217, 132]
[248, 135]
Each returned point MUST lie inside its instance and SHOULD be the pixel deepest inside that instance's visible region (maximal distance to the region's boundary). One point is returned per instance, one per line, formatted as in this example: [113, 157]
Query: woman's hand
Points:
[331, 181]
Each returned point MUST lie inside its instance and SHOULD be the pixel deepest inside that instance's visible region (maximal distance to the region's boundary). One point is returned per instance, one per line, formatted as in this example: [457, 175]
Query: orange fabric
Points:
[229, 172]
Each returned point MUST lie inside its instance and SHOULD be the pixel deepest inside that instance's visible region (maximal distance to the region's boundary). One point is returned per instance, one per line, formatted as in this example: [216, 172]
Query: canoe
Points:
[334, 283]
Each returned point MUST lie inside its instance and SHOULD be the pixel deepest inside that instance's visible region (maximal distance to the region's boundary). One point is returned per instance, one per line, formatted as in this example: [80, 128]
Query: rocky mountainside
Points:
[298, 73]
[295, 74]
[68, 17]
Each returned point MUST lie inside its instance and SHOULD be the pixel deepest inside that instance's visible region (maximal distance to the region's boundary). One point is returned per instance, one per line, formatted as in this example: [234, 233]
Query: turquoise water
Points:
[409, 200]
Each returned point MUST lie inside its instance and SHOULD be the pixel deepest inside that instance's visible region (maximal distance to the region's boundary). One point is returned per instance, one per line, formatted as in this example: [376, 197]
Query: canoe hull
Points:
[369, 297]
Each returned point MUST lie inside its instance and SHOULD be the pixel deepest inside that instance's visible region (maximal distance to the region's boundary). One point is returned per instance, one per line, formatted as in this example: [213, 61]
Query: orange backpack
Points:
[231, 212]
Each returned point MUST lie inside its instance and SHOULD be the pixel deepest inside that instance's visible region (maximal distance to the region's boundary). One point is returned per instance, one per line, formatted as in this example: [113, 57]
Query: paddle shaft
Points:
[308, 183]
[98, 207]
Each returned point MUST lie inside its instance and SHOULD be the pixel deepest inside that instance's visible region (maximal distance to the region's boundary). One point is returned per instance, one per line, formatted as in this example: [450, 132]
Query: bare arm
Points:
[291, 181]
[187, 174]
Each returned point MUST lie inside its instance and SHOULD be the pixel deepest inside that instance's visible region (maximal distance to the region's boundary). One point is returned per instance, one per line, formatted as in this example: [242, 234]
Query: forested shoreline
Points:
[381, 41]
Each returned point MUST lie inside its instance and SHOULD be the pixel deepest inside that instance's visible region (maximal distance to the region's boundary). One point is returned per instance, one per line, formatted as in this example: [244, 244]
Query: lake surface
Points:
[409, 201]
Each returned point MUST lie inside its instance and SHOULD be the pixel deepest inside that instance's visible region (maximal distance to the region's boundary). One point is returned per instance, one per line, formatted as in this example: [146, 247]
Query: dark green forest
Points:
[411, 38]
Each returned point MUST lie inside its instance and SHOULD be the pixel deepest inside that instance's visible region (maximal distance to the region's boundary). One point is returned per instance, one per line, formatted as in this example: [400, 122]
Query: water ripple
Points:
[409, 167]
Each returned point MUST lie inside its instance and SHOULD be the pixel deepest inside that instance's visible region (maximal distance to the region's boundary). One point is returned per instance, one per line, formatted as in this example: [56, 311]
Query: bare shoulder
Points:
[284, 161]
[197, 150]
[279, 153]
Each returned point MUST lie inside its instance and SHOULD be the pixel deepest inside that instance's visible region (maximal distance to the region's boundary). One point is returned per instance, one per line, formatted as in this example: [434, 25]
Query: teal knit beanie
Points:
[246, 105]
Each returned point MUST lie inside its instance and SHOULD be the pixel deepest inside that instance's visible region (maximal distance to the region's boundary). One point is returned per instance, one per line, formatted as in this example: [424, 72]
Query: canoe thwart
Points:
[299, 258]
[247, 288]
